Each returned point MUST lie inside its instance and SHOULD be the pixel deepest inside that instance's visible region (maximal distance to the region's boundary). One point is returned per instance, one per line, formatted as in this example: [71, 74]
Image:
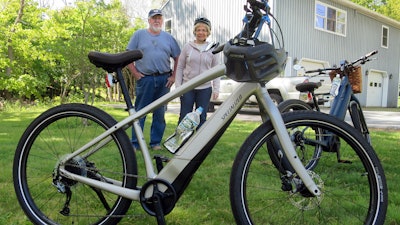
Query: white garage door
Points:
[375, 89]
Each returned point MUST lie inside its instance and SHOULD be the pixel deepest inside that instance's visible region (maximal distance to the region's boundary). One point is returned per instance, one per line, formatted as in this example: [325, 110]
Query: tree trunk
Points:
[10, 47]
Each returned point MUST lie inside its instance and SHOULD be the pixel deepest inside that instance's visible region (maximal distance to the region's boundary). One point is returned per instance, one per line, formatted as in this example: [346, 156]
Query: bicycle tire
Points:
[42, 191]
[276, 98]
[293, 104]
[352, 193]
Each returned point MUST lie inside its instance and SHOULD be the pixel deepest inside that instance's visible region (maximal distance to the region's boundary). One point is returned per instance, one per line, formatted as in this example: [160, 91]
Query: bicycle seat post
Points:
[315, 100]
[125, 90]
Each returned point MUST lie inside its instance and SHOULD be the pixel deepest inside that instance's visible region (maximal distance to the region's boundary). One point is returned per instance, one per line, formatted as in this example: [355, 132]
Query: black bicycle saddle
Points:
[112, 61]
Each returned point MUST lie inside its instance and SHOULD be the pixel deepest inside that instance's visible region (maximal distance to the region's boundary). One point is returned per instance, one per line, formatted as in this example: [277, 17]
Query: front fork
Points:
[267, 107]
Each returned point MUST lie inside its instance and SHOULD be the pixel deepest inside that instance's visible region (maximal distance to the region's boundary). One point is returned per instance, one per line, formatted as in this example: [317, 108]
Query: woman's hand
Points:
[170, 81]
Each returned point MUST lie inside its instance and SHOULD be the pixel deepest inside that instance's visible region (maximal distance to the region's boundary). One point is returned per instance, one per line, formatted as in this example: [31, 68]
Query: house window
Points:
[168, 26]
[330, 19]
[385, 37]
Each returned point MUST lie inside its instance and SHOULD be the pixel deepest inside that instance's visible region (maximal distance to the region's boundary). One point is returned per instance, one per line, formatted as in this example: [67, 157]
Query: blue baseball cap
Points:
[154, 12]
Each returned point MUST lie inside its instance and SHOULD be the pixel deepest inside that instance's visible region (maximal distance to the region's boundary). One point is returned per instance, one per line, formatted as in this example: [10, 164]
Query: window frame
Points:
[168, 26]
[385, 38]
[330, 22]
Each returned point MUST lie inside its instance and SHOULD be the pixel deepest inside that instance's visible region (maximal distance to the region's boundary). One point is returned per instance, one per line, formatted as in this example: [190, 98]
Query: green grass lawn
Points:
[206, 200]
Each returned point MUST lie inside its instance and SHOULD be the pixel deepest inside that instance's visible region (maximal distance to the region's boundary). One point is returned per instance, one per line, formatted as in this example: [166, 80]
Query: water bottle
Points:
[183, 131]
[335, 85]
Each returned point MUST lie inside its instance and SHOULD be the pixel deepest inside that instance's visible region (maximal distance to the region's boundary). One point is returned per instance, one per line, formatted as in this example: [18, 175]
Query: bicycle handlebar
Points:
[365, 58]
[371, 54]
[218, 48]
[362, 60]
[254, 17]
[261, 5]
[253, 20]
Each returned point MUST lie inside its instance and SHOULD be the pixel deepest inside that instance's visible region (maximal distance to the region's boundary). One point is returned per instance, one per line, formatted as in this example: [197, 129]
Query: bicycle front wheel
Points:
[48, 197]
[352, 181]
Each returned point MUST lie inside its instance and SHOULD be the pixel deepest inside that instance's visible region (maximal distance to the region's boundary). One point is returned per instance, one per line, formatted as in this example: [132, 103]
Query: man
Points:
[153, 72]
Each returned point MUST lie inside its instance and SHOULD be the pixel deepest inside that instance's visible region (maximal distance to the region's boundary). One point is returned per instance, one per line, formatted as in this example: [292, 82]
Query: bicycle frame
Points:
[342, 100]
[179, 170]
[345, 100]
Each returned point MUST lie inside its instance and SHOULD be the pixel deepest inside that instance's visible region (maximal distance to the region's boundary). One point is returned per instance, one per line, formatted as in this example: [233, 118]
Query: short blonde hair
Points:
[202, 24]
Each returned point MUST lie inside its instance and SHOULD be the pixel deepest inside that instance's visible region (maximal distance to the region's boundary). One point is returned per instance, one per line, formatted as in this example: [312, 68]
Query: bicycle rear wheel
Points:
[48, 197]
[292, 105]
[353, 192]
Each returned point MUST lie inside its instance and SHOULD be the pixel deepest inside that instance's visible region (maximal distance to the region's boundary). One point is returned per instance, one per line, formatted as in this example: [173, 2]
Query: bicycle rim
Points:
[353, 192]
[43, 192]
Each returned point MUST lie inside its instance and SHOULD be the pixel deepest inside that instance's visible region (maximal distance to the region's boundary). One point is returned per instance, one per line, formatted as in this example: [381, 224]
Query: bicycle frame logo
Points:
[232, 107]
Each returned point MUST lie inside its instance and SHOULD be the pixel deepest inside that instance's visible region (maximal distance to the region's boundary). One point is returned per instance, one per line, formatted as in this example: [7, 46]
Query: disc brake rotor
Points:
[298, 197]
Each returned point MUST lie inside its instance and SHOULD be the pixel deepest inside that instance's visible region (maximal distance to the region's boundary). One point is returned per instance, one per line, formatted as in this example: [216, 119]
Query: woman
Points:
[195, 58]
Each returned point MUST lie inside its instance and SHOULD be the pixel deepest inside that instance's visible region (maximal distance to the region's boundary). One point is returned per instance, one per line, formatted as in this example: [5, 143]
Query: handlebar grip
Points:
[315, 71]
[218, 49]
[371, 54]
[320, 71]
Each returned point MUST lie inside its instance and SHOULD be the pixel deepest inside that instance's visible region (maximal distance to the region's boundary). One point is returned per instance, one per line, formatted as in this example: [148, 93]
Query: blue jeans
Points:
[197, 98]
[148, 89]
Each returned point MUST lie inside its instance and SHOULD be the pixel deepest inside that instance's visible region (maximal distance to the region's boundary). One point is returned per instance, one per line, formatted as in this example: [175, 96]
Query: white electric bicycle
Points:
[75, 163]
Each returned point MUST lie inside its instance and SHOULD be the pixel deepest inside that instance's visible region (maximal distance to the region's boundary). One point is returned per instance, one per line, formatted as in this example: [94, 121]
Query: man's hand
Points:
[138, 75]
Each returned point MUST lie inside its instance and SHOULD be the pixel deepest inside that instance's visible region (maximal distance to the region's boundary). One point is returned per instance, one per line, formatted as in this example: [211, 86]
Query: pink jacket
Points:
[192, 62]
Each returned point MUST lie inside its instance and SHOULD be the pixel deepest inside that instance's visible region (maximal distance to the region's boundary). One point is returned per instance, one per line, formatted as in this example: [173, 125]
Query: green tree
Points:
[91, 25]
[20, 72]
[46, 50]
[390, 8]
